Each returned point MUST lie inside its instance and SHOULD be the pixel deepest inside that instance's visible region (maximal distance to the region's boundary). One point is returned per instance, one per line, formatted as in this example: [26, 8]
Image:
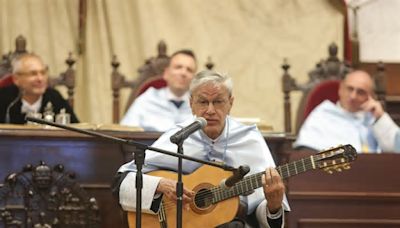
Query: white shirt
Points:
[329, 125]
[237, 145]
[388, 133]
[31, 108]
[153, 110]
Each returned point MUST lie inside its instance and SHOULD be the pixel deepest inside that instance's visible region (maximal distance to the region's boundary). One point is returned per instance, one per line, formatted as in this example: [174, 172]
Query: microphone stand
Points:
[179, 187]
[139, 156]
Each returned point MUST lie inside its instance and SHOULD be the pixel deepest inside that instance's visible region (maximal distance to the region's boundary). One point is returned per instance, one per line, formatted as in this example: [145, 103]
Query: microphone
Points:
[182, 134]
[7, 117]
[237, 176]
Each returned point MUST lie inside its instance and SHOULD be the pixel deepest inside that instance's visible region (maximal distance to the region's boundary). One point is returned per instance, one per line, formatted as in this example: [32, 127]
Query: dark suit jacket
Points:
[10, 93]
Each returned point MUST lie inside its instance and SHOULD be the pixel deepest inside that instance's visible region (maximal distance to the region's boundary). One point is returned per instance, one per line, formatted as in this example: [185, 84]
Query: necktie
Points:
[177, 103]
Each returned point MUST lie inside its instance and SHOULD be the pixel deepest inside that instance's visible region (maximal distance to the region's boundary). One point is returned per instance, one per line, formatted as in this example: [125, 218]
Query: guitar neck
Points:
[254, 181]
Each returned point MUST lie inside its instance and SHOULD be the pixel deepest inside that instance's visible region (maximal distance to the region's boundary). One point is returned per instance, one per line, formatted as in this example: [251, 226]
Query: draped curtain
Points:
[246, 39]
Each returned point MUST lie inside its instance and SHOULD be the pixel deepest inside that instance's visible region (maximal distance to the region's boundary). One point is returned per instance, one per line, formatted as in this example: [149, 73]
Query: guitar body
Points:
[209, 216]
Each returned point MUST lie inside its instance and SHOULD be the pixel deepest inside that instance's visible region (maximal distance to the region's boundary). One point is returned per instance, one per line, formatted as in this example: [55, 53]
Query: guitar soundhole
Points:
[203, 198]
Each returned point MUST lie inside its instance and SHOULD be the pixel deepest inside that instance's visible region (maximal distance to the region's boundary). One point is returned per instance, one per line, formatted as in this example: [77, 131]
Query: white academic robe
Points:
[153, 111]
[388, 133]
[329, 125]
[237, 145]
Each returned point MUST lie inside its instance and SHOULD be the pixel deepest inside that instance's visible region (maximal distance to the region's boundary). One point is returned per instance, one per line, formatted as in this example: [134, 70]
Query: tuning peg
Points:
[346, 166]
[328, 170]
[338, 169]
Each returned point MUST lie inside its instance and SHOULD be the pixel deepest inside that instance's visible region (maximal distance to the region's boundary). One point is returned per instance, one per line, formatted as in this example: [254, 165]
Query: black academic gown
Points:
[10, 94]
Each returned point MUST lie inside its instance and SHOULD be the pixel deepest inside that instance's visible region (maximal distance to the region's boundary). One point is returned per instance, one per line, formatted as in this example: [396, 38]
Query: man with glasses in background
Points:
[357, 119]
[30, 92]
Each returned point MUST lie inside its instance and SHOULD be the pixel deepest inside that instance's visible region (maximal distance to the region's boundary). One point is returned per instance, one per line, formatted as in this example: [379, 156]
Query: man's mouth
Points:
[211, 121]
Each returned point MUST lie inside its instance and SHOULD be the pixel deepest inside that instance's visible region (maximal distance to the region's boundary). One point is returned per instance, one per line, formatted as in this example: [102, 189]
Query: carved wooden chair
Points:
[41, 196]
[323, 83]
[150, 75]
[66, 78]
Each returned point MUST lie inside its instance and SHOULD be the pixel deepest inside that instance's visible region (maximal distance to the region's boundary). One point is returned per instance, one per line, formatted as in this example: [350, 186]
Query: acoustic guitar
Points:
[214, 204]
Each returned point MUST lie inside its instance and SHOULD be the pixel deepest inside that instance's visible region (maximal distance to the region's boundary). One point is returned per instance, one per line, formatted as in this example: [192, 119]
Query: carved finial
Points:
[209, 63]
[162, 49]
[20, 44]
[114, 62]
[285, 65]
[333, 49]
[70, 61]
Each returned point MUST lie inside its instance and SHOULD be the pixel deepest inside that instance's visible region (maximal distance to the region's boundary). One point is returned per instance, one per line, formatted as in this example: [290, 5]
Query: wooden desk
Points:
[95, 161]
[367, 195]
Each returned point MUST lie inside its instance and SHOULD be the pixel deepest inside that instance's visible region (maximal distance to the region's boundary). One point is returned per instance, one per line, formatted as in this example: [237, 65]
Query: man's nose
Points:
[353, 94]
[185, 72]
[210, 108]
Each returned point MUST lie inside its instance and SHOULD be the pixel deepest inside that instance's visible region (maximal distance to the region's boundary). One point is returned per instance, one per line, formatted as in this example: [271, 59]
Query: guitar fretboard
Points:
[254, 181]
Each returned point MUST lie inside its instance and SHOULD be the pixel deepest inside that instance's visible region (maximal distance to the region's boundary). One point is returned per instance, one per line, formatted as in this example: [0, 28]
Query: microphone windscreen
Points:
[202, 121]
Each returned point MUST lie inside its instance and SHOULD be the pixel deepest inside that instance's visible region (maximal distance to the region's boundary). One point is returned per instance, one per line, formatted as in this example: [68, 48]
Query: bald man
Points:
[357, 119]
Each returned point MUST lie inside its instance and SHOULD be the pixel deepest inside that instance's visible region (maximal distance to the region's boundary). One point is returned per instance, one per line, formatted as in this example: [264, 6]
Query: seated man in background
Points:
[357, 119]
[161, 109]
[223, 140]
[30, 92]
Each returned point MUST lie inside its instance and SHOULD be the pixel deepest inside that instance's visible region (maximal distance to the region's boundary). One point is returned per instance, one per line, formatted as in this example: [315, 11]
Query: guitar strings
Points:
[307, 163]
[291, 168]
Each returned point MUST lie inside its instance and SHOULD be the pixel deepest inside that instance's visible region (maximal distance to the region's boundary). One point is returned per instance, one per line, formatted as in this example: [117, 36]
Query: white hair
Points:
[17, 61]
[212, 77]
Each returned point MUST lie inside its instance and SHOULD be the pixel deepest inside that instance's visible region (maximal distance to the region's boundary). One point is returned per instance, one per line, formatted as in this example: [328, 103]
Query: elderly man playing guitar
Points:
[223, 140]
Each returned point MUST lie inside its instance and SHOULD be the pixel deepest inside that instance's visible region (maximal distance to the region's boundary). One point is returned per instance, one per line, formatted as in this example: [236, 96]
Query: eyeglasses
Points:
[217, 104]
[33, 73]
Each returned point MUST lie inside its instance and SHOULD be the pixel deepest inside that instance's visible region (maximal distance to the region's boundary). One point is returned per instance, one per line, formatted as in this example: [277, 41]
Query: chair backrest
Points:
[323, 84]
[150, 75]
[155, 82]
[6, 81]
[326, 90]
[42, 196]
[66, 78]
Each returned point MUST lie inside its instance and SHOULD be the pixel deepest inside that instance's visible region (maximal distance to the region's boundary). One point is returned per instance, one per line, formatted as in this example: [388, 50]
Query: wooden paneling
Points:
[367, 195]
[95, 161]
[392, 73]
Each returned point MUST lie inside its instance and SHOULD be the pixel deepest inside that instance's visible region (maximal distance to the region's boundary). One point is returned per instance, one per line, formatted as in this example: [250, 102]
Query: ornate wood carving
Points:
[41, 196]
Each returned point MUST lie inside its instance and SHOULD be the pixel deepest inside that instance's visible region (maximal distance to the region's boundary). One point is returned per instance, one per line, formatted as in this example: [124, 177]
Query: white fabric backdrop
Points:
[247, 39]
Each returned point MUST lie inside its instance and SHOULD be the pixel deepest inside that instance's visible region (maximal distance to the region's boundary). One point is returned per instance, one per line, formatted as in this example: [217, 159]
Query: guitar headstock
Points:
[335, 159]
